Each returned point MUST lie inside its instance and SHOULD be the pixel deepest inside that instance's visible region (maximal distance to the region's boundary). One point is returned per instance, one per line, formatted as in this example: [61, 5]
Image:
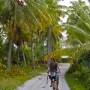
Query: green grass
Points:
[74, 83]
[10, 82]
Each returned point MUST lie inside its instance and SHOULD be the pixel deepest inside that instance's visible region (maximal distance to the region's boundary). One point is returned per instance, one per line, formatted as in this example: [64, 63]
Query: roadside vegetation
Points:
[74, 83]
[18, 75]
[78, 24]
[30, 34]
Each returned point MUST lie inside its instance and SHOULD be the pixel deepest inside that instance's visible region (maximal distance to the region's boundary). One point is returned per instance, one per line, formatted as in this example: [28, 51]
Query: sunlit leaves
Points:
[79, 22]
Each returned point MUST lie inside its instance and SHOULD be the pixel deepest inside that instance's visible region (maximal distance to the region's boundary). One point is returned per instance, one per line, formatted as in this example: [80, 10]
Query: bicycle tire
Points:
[54, 85]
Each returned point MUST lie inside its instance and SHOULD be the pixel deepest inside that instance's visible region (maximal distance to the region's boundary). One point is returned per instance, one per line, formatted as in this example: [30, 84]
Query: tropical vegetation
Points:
[30, 34]
[79, 38]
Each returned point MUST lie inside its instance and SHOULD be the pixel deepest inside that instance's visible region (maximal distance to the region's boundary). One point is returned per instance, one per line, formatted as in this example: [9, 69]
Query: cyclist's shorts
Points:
[56, 78]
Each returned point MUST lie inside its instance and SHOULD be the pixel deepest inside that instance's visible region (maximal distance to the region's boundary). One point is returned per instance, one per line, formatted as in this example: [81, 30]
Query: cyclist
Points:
[53, 71]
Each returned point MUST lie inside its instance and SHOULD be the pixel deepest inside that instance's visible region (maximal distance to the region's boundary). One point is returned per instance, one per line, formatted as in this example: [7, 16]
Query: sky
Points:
[67, 2]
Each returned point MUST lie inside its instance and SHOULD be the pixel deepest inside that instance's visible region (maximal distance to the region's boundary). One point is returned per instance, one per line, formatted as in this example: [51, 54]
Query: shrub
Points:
[2, 68]
[81, 69]
[16, 71]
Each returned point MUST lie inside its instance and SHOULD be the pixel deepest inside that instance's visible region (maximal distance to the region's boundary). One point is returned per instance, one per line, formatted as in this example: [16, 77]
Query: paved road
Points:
[40, 82]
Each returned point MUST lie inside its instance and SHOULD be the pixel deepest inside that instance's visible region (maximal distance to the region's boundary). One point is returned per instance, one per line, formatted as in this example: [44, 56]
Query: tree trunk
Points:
[32, 50]
[33, 56]
[9, 56]
[23, 54]
[25, 64]
[49, 40]
[18, 58]
[49, 43]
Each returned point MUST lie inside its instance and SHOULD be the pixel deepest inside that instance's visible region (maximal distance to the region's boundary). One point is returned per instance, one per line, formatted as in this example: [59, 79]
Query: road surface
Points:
[40, 82]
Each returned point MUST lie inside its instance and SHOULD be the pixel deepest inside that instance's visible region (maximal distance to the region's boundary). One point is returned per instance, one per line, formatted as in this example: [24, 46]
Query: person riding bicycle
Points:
[53, 71]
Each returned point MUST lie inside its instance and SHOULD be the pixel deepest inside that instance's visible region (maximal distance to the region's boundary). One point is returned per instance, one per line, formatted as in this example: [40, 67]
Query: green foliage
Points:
[18, 75]
[80, 67]
[28, 24]
[78, 29]
[78, 24]
[27, 51]
[15, 71]
[2, 68]
[74, 83]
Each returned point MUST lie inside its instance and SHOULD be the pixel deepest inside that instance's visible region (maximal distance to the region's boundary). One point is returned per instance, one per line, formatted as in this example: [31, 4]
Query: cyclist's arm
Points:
[48, 71]
[59, 69]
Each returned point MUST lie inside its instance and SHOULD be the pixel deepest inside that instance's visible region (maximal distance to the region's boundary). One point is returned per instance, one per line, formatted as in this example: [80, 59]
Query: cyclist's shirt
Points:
[54, 70]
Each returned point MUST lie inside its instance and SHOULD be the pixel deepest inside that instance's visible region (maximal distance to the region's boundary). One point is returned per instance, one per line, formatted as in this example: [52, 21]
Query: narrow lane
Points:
[40, 82]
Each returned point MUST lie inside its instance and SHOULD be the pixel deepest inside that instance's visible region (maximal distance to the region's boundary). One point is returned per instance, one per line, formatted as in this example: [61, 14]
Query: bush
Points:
[2, 68]
[80, 69]
[86, 77]
[15, 71]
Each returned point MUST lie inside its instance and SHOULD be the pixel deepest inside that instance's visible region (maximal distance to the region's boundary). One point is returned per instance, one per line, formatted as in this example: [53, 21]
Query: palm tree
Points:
[29, 16]
[78, 23]
[53, 30]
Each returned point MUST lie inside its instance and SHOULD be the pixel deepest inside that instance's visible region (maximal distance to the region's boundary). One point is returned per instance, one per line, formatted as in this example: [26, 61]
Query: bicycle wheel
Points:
[54, 85]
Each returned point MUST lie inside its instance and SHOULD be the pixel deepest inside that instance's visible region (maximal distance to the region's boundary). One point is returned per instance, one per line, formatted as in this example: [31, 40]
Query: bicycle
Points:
[54, 84]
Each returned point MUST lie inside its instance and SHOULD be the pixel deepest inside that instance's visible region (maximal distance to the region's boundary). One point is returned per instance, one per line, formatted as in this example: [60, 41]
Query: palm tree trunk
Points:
[18, 58]
[49, 43]
[25, 64]
[9, 56]
[33, 56]
[23, 54]
[33, 51]
[49, 40]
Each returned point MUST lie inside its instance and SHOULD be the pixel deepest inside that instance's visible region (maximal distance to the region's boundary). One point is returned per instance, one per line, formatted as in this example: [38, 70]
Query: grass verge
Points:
[74, 83]
[10, 81]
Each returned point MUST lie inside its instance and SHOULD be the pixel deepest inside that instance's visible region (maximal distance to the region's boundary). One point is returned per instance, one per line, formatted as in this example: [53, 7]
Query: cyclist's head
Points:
[53, 65]
[53, 59]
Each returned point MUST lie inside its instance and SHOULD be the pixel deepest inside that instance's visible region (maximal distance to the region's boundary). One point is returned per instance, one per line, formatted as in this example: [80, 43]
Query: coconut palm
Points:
[53, 31]
[17, 16]
[78, 23]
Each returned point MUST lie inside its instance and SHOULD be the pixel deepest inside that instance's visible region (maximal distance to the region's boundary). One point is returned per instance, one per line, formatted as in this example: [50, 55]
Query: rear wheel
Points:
[54, 85]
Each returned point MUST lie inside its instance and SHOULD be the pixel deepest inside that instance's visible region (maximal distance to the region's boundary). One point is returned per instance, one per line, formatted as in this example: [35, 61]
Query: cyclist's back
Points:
[53, 67]
[54, 71]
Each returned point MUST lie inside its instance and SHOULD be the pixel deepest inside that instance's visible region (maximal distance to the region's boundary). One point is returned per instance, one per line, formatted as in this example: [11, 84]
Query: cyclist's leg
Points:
[57, 81]
[56, 87]
[53, 83]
